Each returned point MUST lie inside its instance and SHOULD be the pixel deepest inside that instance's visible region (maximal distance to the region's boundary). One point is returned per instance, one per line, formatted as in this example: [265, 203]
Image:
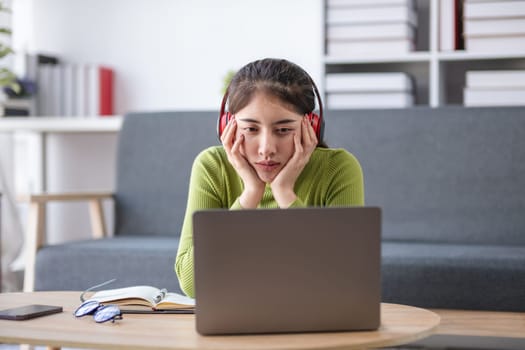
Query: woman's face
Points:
[268, 128]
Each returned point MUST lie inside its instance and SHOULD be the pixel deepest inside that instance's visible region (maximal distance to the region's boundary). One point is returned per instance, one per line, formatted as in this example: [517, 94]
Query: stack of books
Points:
[495, 88]
[494, 26]
[369, 90]
[66, 89]
[373, 27]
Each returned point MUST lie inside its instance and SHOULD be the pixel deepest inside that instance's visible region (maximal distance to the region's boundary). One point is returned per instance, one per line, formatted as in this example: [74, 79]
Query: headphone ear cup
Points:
[317, 124]
[224, 119]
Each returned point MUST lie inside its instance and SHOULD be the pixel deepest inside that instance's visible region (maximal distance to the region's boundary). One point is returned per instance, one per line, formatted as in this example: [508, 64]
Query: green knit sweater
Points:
[332, 177]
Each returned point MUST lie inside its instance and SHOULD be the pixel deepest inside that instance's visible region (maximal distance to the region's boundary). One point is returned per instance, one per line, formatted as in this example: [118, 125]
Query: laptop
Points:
[285, 271]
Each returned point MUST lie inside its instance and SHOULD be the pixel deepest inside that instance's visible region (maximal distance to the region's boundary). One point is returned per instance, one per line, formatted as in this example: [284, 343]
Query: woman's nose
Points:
[267, 145]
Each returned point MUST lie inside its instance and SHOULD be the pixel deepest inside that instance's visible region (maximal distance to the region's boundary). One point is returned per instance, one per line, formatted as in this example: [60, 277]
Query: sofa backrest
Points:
[449, 174]
[154, 159]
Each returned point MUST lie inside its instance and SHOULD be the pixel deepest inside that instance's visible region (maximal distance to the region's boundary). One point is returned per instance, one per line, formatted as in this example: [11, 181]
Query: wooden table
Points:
[399, 324]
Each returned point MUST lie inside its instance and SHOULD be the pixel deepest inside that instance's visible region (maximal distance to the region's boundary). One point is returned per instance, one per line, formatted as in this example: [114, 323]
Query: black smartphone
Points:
[29, 311]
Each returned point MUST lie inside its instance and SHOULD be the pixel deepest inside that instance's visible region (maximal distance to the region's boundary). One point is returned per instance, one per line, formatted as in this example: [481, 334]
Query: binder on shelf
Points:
[44, 92]
[57, 91]
[69, 84]
[39, 70]
[81, 90]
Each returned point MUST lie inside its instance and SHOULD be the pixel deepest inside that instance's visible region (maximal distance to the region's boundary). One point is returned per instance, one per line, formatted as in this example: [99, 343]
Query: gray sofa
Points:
[450, 182]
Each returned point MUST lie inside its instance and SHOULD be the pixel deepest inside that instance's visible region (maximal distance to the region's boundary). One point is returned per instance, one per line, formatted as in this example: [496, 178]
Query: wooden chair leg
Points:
[96, 212]
[34, 240]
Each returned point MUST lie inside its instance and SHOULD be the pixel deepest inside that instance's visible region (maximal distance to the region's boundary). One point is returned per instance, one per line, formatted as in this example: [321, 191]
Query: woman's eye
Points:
[250, 129]
[283, 130]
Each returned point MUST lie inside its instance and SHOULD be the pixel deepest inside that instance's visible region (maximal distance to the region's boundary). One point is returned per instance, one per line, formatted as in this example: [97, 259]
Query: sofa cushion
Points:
[131, 260]
[449, 174]
[456, 276]
[155, 155]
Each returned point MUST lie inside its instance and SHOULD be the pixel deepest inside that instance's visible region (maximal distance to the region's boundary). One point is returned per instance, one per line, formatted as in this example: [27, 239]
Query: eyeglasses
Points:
[101, 313]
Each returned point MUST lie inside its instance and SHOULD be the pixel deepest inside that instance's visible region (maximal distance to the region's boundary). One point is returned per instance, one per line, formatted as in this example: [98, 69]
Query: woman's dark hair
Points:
[276, 77]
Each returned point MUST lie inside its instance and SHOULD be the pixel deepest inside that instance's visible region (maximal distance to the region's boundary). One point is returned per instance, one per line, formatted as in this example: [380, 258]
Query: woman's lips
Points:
[267, 166]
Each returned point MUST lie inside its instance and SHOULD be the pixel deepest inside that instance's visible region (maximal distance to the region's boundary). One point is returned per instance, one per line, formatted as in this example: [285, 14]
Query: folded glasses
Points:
[101, 313]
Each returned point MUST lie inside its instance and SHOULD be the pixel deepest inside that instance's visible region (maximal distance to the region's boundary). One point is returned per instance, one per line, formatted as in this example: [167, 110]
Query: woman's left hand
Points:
[283, 184]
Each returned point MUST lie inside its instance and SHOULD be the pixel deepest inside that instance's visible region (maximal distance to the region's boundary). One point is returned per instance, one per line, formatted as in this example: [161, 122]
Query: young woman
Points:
[272, 153]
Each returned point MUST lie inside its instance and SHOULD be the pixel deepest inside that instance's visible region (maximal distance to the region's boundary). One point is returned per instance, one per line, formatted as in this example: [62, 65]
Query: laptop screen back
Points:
[293, 270]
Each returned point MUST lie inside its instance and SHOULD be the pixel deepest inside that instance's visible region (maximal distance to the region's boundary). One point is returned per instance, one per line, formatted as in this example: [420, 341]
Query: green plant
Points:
[226, 80]
[7, 78]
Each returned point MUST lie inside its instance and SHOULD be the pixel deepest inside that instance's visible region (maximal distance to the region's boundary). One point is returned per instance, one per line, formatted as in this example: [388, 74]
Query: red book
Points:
[105, 91]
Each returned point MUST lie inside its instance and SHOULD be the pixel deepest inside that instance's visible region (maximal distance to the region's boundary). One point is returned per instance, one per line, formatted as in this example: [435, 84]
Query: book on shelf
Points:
[493, 97]
[359, 3]
[370, 100]
[364, 48]
[56, 91]
[69, 91]
[18, 107]
[359, 15]
[100, 91]
[47, 59]
[44, 92]
[496, 27]
[371, 31]
[494, 9]
[361, 82]
[496, 44]
[81, 90]
[450, 25]
[144, 297]
[494, 79]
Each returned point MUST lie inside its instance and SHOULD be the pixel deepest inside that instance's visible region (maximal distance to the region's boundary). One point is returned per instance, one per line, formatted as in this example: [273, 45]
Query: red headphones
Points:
[316, 120]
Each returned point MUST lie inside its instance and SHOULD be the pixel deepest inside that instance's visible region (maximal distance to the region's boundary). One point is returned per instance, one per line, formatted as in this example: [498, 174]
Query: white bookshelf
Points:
[439, 76]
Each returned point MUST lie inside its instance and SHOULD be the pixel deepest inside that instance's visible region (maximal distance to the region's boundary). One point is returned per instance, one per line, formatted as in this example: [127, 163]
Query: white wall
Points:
[172, 54]
[167, 55]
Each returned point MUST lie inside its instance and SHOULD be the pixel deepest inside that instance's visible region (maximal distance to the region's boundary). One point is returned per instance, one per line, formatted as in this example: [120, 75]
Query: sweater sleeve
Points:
[346, 185]
[206, 191]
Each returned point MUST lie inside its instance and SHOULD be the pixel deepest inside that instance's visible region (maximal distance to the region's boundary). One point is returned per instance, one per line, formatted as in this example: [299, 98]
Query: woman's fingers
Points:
[229, 133]
[309, 136]
[237, 145]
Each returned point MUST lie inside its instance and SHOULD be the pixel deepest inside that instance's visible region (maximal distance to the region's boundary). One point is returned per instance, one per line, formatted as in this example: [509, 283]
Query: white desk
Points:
[61, 125]
[40, 127]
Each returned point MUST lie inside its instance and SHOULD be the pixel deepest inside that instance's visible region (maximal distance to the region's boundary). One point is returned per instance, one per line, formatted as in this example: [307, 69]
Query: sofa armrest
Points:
[35, 233]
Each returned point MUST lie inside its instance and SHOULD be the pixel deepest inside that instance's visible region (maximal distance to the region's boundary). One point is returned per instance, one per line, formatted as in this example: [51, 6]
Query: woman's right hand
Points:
[234, 147]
